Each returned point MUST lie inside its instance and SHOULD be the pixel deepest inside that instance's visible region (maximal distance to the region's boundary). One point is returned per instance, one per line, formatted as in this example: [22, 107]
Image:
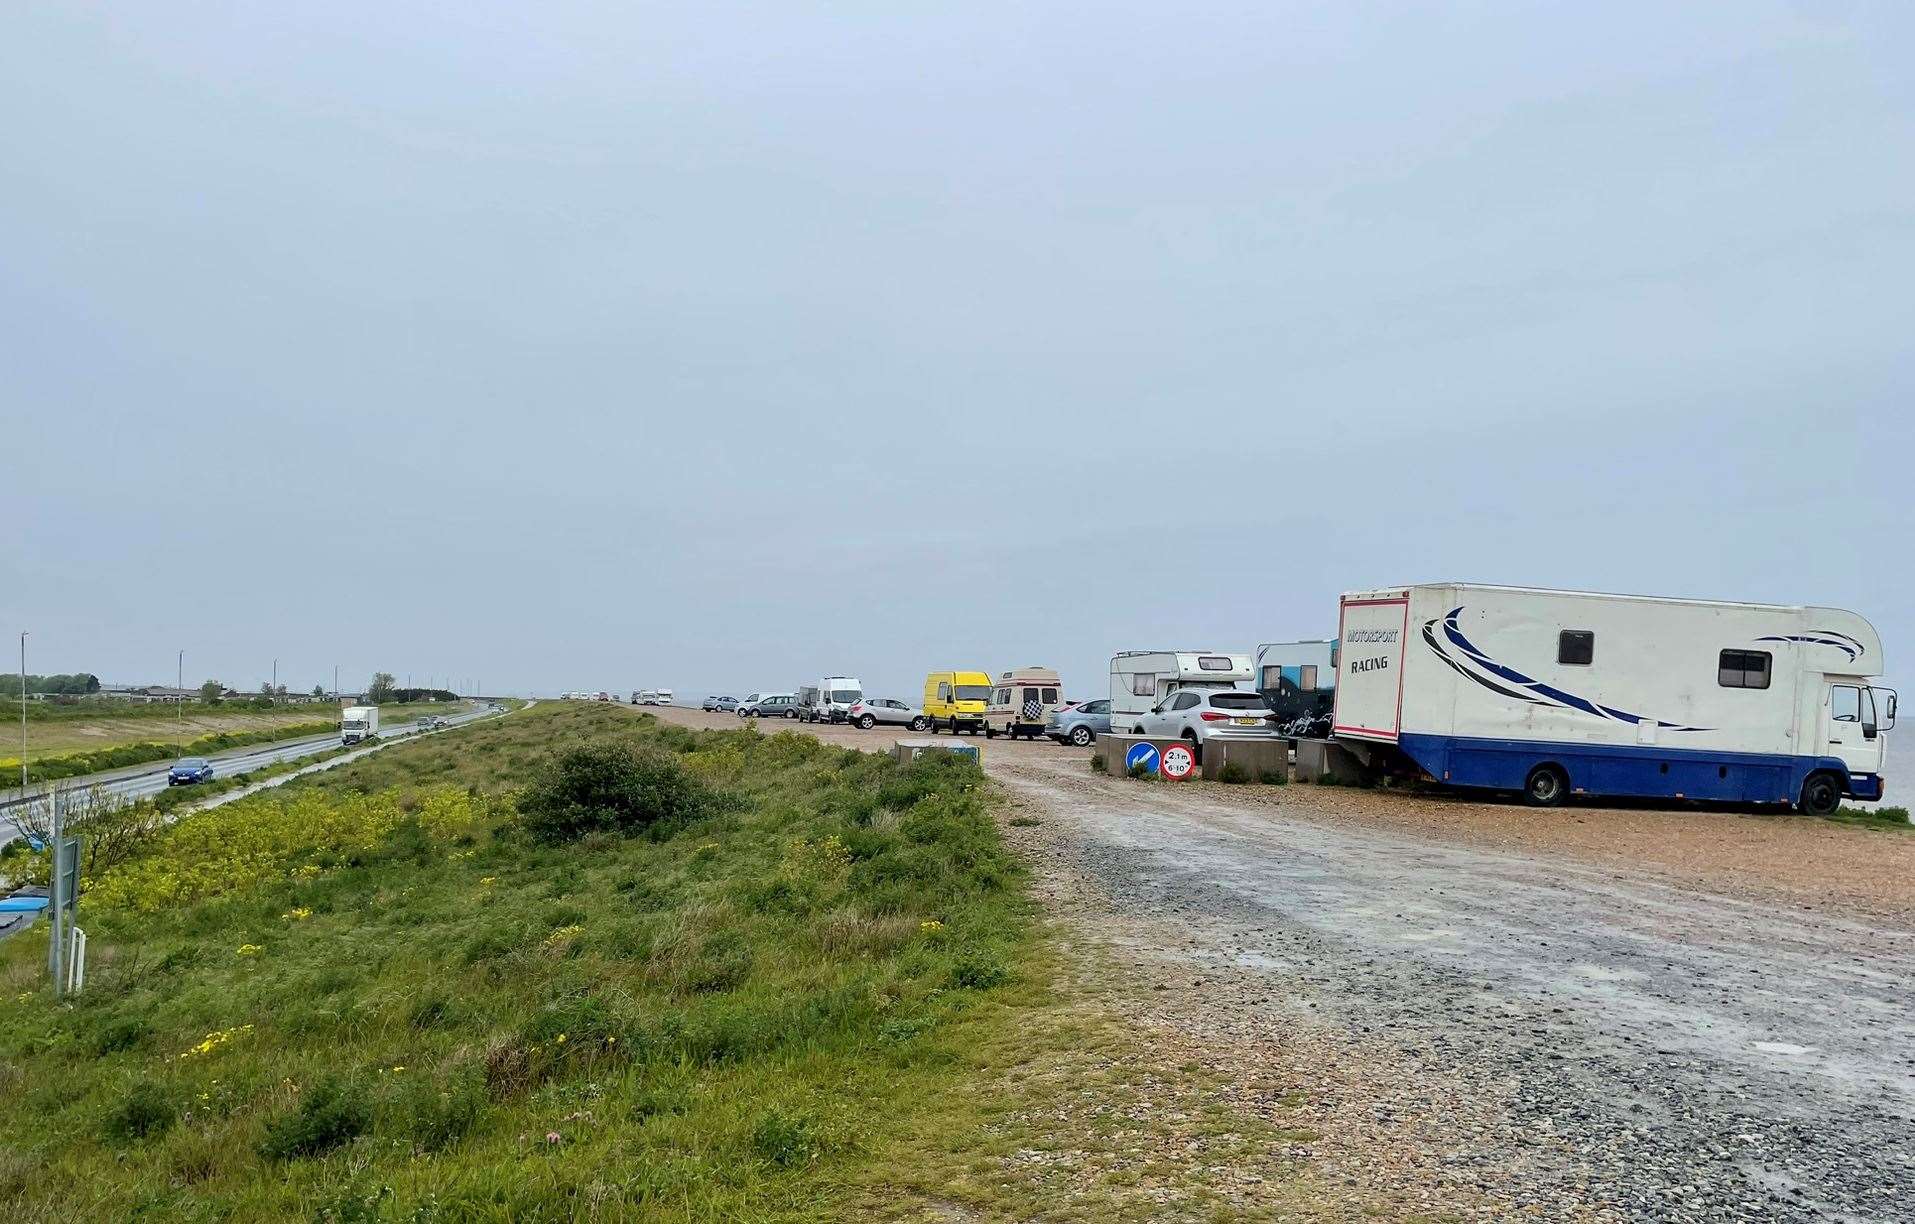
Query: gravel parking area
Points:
[1493, 1011]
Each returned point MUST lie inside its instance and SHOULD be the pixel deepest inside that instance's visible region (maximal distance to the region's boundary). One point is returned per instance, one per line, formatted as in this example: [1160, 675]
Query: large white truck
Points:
[832, 699]
[358, 723]
[1559, 693]
[1141, 679]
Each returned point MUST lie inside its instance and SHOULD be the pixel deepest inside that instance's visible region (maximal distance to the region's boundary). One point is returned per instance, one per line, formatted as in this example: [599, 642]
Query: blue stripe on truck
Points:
[1633, 770]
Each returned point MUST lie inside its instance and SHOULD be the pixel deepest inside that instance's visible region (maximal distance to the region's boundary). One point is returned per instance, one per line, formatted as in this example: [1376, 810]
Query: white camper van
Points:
[832, 699]
[1021, 700]
[1556, 693]
[1140, 679]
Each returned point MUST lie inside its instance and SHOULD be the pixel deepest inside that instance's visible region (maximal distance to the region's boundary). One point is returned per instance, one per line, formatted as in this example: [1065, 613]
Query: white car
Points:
[870, 711]
[1201, 715]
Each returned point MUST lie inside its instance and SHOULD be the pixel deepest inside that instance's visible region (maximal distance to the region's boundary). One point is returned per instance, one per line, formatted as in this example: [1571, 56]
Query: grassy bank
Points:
[327, 1001]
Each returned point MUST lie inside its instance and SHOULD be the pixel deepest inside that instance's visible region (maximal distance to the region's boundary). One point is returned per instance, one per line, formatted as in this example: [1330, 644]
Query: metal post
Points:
[56, 901]
[23, 714]
[179, 706]
[275, 683]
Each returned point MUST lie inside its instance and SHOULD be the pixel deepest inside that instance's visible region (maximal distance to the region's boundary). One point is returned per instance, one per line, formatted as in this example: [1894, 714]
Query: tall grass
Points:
[378, 996]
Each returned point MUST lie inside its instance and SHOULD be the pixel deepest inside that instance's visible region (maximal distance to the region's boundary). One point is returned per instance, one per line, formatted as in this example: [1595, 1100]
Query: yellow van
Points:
[956, 700]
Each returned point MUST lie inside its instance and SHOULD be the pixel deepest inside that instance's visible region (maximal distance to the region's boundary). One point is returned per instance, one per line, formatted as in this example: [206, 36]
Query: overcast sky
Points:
[716, 346]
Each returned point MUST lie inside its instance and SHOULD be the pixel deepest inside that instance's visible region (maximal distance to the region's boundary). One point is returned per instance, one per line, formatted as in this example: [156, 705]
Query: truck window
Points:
[944, 690]
[973, 692]
[1845, 703]
[1576, 647]
[1307, 678]
[1271, 676]
[1050, 696]
[1743, 669]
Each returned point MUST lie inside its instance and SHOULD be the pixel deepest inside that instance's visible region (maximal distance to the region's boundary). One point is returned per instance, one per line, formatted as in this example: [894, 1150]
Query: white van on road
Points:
[1555, 693]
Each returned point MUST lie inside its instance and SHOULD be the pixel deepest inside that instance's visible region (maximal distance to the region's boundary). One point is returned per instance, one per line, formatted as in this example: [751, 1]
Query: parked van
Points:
[957, 700]
[1559, 693]
[1141, 680]
[1021, 700]
[832, 699]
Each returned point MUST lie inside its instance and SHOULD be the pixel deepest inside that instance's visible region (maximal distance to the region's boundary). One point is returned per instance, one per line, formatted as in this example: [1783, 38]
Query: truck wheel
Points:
[917, 724]
[1547, 786]
[990, 732]
[1821, 795]
[1081, 735]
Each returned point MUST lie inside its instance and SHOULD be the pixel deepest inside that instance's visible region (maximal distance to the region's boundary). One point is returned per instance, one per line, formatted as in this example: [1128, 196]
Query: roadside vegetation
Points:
[76, 740]
[575, 962]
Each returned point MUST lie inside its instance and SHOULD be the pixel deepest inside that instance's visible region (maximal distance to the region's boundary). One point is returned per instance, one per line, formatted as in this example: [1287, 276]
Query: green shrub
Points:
[975, 971]
[146, 1109]
[1274, 777]
[1097, 764]
[611, 786]
[1233, 773]
[440, 1117]
[1141, 770]
[784, 1140]
[332, 1112]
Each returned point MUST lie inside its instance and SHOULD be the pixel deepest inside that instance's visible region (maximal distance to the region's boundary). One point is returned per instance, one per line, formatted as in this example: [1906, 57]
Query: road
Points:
[140, 781]
[1489, 1008]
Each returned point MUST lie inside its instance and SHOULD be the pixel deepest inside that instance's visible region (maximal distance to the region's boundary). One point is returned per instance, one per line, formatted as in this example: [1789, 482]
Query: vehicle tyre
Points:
[1082, 735]
[990, 732]
[934, 726]
[1821, 795]
[867, 722]
[1547, 786]
[917, 724]
[1196, 745]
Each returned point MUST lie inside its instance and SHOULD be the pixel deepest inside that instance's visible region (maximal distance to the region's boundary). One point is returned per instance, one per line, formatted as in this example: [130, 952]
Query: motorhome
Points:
[1021, 700]
[957, 700]
[662, 697]
[647, 697]
[1560, 693]
[357, 723]
[1298, 679]
[1141, 679]
[831, 699]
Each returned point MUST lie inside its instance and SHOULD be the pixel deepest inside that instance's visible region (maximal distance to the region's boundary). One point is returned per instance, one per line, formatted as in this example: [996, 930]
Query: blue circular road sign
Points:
[1141, 754]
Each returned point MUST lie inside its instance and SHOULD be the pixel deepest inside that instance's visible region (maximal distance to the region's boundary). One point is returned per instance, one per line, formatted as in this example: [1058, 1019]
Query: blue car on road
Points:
[190, 770]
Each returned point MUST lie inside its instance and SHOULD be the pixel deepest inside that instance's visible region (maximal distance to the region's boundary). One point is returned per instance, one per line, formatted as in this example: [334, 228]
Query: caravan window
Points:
[1307, 678]
[1272, 677]
[1050, 696]
[1143, 684]
[1743, 669]
[1213, 662]
[1576, 646]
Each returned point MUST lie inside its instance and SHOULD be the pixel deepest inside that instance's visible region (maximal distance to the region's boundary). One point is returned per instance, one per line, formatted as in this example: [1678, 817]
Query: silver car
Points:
[1079, 724]
[1200, 715]
[871, 711]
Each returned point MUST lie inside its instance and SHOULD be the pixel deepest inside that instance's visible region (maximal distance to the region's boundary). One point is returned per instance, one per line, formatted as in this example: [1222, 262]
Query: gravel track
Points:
[1495, 1014]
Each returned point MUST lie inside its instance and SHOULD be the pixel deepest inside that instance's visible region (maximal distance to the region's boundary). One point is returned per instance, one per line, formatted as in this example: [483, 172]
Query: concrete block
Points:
[907, 751]
[1257, 756]
[1320, 759]
[1116, 749]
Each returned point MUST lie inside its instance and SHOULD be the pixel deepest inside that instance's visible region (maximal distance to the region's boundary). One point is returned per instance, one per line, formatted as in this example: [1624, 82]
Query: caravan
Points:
[1140, 680]
[1555, 693]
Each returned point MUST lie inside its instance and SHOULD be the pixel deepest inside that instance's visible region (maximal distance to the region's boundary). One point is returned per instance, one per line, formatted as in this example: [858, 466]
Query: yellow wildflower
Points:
[931, 927]
[561, 1038]
[249, 949]
[299, 913]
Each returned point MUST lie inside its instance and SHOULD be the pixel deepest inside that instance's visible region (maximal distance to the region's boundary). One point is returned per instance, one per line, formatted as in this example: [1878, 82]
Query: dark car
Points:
[190, 770]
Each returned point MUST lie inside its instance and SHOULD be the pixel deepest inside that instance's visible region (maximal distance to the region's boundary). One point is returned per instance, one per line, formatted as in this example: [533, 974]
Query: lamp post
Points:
[179, 706]
[23, 713]
[275, 682]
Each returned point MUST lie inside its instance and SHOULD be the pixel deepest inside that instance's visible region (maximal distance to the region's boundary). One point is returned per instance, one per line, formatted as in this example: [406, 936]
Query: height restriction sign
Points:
[1177, 762]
